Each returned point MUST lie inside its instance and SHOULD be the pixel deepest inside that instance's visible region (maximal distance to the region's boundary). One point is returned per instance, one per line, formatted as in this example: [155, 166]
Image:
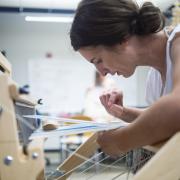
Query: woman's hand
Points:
[109, 142]
[113, 102]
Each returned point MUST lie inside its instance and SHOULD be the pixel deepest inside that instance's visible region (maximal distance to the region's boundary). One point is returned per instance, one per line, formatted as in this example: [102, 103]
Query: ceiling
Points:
[62, 4]
[53, 4]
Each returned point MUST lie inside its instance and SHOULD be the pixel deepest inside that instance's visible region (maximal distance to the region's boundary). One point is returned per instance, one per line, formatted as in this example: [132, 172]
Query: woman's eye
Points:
[99, 61]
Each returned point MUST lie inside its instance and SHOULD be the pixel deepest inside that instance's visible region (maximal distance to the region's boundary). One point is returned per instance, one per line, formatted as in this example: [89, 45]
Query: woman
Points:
[117, 36]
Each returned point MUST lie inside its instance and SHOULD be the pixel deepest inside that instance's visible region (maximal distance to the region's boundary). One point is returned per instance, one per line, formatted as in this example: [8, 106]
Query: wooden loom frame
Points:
[16, 165]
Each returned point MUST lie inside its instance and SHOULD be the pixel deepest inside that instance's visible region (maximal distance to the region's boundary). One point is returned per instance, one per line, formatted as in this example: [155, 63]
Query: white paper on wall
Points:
[60, 83]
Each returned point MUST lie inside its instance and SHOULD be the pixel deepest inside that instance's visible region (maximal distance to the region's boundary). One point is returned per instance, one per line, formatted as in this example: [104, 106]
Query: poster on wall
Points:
[61, 84]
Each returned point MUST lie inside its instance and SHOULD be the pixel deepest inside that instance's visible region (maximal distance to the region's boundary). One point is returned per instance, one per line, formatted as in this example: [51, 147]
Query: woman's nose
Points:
[103, 72]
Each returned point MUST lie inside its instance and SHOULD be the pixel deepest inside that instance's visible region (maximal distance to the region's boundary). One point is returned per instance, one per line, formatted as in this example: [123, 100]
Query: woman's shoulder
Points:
[175, 36]
[168, 30]
[172, 31]
[175, 46]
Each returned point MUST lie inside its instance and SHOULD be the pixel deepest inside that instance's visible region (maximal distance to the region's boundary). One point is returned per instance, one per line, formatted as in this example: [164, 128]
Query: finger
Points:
[114, 98]
[113, 152]
[116, 107]
[116, 110]
[107, 99]
[99, 139]
[119, 98]
[103, 99]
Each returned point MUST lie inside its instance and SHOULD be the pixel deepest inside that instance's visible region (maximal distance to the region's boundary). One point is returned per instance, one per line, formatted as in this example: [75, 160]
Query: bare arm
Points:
[158, 122]
[130, 114]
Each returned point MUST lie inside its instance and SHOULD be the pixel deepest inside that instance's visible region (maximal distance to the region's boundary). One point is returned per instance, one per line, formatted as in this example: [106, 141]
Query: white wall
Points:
[70, 4]
[25, 40]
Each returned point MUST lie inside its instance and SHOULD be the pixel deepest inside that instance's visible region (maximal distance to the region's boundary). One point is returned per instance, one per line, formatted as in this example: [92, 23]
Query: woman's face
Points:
[120, 59]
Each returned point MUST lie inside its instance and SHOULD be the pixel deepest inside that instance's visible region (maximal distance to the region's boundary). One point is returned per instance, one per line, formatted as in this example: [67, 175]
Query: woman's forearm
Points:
[158, 123]
[130, 114]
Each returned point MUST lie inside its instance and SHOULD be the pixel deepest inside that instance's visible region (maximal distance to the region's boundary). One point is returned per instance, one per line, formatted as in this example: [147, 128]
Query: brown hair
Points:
[108, 22]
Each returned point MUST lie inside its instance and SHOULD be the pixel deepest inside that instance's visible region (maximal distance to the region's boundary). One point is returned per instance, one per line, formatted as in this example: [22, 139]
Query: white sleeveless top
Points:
[154, 85]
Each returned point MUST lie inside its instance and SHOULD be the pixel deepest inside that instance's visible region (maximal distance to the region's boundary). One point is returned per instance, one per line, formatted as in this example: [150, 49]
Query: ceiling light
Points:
[60, 19]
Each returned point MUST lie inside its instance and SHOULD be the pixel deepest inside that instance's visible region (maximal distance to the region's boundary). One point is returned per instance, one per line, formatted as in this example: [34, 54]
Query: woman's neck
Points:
[154, 49]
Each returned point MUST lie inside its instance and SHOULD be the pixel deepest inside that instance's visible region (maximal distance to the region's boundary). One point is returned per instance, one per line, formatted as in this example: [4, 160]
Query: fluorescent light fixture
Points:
[60, 19]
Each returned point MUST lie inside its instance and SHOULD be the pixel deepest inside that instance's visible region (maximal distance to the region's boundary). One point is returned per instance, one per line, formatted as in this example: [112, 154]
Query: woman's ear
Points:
[125, 42]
